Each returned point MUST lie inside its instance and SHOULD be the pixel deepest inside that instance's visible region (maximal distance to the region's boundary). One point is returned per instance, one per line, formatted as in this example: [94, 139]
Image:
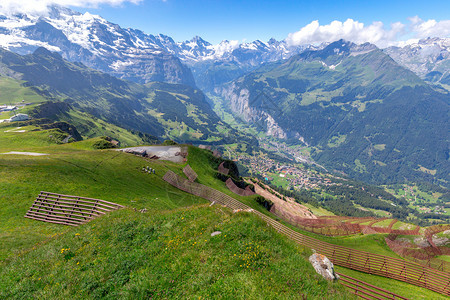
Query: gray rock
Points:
[421, 242]
[440, 241]
[323, 266]
[215, 233]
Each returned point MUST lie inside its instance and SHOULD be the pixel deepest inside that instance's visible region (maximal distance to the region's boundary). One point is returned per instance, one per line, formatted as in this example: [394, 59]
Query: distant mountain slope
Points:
[367, 116]
[213, 65]
[161, 109]
[97, 43]
[429, 58]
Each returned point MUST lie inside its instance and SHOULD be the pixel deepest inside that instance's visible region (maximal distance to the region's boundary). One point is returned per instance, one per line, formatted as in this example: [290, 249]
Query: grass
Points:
[398, 287]
[380, 147]
[337, 140]
[403, 226]
[126, 254]
[204, 164]
[383, 224]
[318, 211]
[90, 126]
[12, 92]
[428, 171]
[166, 253]
[374, 243]
[77, 170]
[444, 257]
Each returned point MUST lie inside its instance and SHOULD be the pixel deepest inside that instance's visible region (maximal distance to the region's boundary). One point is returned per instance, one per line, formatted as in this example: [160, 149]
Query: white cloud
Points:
[375, 33]
[431, 28]
[41, 6]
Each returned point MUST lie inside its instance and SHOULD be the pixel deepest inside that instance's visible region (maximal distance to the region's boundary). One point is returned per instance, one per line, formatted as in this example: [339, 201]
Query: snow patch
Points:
[120, 65]
[10, 41]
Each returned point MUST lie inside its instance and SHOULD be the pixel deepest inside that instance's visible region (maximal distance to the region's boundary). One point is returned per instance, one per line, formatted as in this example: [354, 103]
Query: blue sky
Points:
[216, 20]
[381, 22]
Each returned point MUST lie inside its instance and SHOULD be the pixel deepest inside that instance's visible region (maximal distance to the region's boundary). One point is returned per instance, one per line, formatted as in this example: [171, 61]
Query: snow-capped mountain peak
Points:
[92, 40]
[429, 58]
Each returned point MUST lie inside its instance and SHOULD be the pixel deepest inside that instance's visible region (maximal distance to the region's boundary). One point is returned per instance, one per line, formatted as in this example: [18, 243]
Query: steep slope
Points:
[367, 116]
[97, 43]
[161, 109]
[166, 252]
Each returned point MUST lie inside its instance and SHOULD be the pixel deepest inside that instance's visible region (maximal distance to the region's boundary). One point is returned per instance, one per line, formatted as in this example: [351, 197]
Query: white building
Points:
[19, 117]
[8, 108]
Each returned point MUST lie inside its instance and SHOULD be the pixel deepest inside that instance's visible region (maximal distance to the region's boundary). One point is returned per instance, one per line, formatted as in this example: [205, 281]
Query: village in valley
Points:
[297, 171]
[292, 168]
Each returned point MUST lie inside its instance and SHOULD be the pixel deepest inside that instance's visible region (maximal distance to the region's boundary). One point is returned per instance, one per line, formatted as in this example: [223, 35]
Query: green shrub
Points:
[169, 143]
[264, 202]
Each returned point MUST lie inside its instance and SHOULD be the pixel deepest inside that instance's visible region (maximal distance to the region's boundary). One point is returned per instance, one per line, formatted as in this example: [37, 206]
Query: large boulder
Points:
[323, 266]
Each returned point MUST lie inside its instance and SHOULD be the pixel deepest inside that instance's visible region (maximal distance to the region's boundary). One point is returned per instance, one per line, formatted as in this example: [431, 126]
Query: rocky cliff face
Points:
[250, 109]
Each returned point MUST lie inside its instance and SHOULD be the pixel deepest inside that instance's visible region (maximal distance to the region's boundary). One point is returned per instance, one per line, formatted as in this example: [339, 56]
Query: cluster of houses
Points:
[297, 176]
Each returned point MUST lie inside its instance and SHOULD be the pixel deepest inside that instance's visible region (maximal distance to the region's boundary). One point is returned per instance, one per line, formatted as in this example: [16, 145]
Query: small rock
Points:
[323, 266]
[215, 233]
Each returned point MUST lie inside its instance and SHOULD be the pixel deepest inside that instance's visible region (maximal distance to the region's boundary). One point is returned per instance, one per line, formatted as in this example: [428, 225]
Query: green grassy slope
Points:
[127, 254]
[12, 92]
[167, 252]
[399, 287]
[205, 164]
[74, 169]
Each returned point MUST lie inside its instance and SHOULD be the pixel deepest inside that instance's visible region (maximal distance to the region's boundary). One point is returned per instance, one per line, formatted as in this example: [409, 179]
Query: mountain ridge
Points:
[134, 55]
[344, 105]
[161, 109]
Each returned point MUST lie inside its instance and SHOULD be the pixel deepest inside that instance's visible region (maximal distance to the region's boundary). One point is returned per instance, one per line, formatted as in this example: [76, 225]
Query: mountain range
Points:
[376, 114]
[134, 55]
[81, 95]
[429, 58]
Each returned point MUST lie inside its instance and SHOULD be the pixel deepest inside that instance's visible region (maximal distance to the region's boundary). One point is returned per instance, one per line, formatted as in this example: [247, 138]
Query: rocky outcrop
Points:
[323, 266]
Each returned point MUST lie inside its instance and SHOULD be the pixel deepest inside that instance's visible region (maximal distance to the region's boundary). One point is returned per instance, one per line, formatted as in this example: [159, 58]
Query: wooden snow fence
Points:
[237, 190]
[222, 169]
[367, 262]
[366, 290]
[191, 175]
[67, 209]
